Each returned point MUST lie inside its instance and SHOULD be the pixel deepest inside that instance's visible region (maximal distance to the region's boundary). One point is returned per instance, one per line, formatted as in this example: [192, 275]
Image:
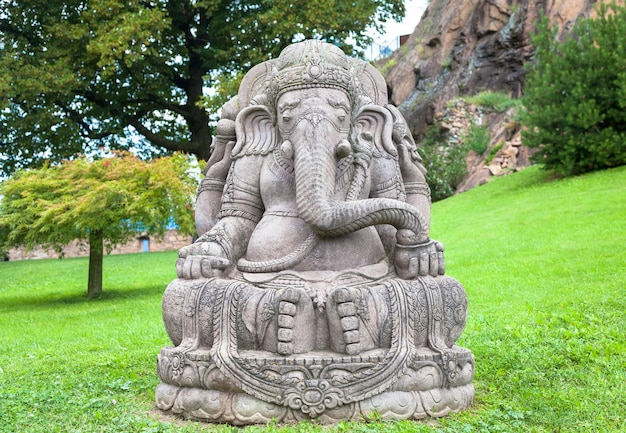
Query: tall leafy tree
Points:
[575, 94]
[76, 75]
[102, 203]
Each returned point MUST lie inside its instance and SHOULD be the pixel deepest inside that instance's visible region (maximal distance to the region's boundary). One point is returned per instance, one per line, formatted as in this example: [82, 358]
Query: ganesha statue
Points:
[313, 290]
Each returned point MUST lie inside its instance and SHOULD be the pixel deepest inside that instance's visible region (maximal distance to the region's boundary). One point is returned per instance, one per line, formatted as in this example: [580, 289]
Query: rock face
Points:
[462, 47]
[502, 154]
[314, 290]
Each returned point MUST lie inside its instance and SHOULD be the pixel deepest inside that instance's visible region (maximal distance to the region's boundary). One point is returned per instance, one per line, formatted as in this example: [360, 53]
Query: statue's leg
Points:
[257, 312]
[188, 309]
[454, 300]
[437, 310]
[279, 321]
[358, 319]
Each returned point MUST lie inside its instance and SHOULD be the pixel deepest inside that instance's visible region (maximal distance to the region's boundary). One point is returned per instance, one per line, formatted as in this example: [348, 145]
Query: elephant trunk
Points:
[315, 167]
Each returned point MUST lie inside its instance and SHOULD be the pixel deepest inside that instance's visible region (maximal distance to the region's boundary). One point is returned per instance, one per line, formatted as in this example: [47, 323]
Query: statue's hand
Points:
[410, 163]
[421, 259]
[201, 260]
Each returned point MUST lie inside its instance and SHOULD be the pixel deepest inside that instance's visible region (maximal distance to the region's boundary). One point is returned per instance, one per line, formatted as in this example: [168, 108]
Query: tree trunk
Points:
[96, 246]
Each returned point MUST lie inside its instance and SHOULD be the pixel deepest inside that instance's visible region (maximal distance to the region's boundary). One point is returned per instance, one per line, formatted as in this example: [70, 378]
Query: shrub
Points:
[445, 163]
[575, 95]
[493, 152]
[478, 138]
[497, 101]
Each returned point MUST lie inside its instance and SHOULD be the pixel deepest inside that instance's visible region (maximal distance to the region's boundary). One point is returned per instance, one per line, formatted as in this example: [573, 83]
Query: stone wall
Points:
[171, 241]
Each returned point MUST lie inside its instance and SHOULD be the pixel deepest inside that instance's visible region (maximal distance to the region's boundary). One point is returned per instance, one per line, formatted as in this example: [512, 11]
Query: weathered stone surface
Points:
[314, 291]
[479, 177]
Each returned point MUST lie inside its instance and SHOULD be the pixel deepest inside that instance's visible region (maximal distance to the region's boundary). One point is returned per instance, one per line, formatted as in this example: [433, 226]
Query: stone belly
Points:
[277, 236]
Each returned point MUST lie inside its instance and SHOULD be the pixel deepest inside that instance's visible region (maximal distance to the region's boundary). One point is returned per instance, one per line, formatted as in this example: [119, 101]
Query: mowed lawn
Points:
[543, 262]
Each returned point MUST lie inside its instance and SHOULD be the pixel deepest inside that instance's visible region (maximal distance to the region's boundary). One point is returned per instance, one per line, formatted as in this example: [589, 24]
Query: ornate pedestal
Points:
[193, 386]
[213, 379]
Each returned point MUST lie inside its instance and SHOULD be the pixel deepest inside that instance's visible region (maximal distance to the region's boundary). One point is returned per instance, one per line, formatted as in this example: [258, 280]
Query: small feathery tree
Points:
[575, 94]
[105, 202]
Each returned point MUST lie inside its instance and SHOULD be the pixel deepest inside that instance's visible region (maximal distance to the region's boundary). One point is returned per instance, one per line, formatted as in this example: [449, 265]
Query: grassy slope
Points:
[544, 265]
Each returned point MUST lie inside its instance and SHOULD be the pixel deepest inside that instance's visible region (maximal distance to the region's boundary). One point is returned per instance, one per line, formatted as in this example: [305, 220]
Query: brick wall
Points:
[172, 240]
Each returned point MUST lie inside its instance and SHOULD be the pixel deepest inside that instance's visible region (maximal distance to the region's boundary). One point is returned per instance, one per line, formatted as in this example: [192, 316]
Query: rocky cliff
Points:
[462, 47]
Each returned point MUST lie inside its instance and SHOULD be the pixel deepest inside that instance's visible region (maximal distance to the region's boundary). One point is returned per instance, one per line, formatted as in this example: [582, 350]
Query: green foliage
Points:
[79, 75]
[445, 163]
[446, 62]
[575, 95]
[114, 197]
[546, 324]
[496, 101]
[56, 204]
[388, 65]
[478, 138]
[493, 152]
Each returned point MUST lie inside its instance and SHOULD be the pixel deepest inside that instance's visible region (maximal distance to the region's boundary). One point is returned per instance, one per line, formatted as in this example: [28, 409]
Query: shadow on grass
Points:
[52, 300]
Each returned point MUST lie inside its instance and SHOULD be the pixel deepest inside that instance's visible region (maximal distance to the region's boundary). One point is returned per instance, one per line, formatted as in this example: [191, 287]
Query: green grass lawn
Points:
[543, 262]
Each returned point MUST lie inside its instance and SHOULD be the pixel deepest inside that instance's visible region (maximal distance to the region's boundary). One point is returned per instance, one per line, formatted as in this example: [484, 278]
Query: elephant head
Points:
[313, 102]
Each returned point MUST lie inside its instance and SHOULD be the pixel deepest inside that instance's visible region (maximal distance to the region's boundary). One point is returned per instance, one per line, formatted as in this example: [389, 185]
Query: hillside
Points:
[461, 48]
[544, 265]
[543, 262]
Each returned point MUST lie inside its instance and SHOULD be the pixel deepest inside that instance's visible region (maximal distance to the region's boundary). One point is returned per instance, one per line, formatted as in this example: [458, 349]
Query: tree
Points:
[76, 75]
[105, 203]
[575, 94]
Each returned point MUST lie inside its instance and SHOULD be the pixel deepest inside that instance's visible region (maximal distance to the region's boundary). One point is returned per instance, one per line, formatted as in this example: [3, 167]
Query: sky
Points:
[414, 11]
[385, 43]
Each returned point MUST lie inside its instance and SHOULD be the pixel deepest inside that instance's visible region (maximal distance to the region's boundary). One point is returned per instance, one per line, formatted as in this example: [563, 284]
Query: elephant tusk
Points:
[287, 149]
[344, 148]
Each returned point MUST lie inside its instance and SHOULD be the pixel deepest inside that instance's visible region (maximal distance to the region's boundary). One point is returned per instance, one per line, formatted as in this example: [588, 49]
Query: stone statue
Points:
[314, 290]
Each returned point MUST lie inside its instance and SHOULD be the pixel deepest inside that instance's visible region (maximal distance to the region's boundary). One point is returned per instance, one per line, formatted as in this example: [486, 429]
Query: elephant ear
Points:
[255, 132]
[255, 82]
[375, 123]
[373, 84]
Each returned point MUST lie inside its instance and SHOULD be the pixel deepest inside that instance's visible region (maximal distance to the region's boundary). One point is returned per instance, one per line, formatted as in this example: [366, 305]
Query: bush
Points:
[445, 163]
[496, 101]
[575, 95]
[478, 138]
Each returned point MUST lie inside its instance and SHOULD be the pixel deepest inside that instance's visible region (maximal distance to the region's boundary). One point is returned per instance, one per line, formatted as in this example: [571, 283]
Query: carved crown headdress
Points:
[311, 64]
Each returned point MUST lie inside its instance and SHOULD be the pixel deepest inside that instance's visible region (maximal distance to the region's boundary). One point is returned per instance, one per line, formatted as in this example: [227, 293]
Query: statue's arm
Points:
[413, 176]
[217, 250]
[403, 179]
[386, 183]
[426, 258]
[211, 186]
